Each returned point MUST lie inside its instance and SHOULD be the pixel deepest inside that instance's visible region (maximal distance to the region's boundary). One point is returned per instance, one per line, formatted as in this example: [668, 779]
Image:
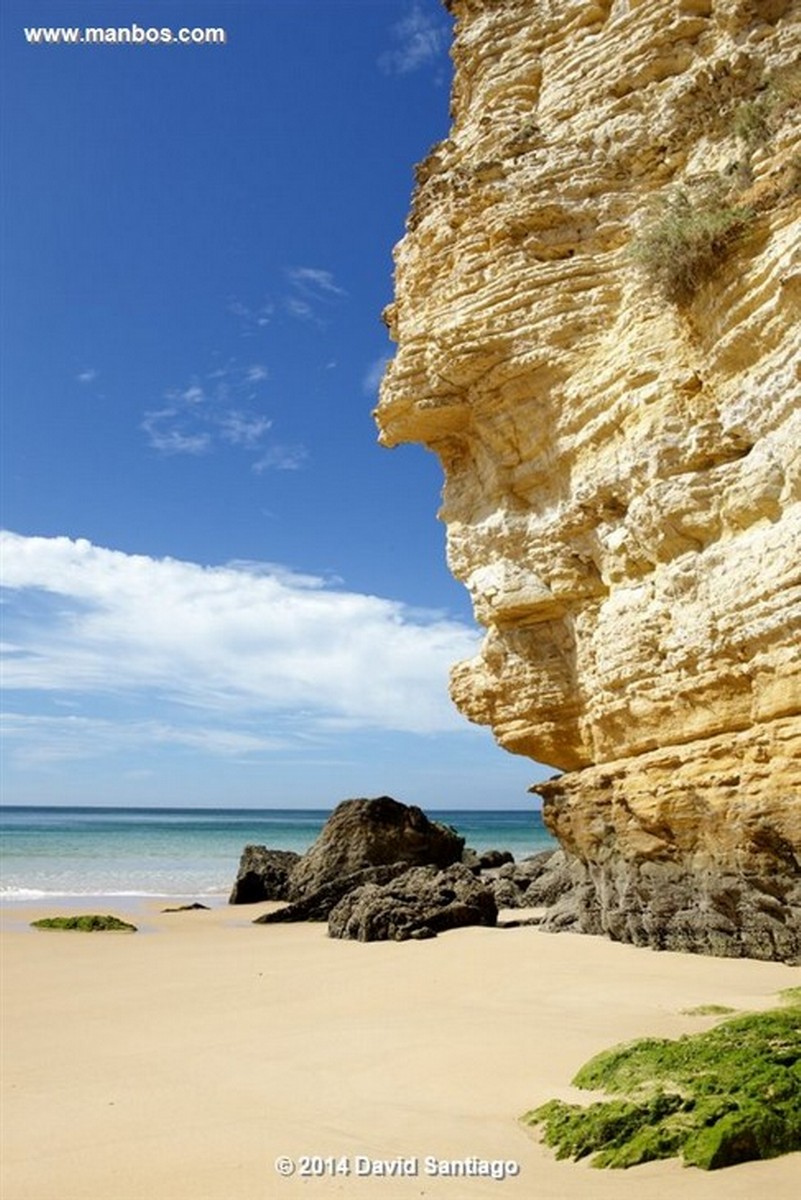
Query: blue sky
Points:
[219, 588]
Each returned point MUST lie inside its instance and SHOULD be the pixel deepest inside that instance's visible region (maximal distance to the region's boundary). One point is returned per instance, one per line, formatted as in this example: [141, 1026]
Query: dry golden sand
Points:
[177, 1063]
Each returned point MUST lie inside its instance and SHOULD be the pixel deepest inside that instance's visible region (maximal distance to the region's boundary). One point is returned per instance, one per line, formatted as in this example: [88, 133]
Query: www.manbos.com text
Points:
[131, 35]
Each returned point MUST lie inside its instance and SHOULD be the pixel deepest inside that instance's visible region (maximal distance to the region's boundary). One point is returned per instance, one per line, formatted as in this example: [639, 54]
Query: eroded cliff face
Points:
[598, 318]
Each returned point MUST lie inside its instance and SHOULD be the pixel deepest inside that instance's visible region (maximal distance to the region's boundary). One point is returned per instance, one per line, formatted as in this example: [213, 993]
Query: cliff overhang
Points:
[597, 311]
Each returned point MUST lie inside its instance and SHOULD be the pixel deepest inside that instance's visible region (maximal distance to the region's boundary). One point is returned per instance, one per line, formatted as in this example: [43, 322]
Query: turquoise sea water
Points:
[186, 852]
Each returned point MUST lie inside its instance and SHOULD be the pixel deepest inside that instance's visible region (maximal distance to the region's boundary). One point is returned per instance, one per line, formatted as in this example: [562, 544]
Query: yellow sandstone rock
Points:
[598, 320]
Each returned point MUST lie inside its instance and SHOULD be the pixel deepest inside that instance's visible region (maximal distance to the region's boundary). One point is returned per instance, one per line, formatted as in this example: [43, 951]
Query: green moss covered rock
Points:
[709, 1010]
[86, 923]
[717, 1098]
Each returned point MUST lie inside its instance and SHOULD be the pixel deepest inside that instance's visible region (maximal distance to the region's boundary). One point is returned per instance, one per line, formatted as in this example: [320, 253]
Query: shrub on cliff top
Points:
[721, 1097]
[685, 242]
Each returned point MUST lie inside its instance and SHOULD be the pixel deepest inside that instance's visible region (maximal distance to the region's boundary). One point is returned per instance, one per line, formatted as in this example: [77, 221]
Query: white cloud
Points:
[306, 290]
[87, 376]
[192, 395]
[167, 437]
[239, 429]
[254, 643]
[199, 418]
[311, 288]
[374, 374]
[282, 458]
[299, 308]
[252, 319]
[313, 281]
[39, 740]
[420, 38]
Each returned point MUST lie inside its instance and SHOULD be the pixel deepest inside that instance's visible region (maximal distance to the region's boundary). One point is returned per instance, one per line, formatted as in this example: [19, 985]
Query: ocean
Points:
[186, 853]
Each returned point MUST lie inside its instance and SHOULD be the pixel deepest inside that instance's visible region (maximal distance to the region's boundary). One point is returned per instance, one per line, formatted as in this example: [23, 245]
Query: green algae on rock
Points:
[724, 1096]
[86, 923]
[709, 1010]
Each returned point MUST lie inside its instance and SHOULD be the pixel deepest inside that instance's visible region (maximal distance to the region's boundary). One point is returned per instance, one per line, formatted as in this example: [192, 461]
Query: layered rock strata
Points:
[597, 316]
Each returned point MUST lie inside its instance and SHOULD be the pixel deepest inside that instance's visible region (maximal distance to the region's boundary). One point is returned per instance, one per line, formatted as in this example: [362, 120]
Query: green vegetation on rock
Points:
[686, 240]
[87, 923]
[757, 119]
[724, 1096]
[791, 995]
[709, 1010]
[751, 121]
[689, 232]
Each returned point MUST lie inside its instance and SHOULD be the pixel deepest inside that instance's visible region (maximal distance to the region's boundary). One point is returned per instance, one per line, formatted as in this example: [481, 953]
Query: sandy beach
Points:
[180, 1062]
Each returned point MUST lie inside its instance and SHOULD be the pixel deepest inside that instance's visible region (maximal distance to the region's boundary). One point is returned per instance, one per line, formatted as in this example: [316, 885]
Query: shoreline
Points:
[181, 1065]
[101, 901]
[60, 855]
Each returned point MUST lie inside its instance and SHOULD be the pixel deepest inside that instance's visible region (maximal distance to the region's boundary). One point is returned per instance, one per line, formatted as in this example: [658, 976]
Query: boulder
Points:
[373, 833]
[555, 877]
[471, 858]
[263, 875]
[506, 892]
[517, 885]
[488, 860]
[420, 903]
[316, 905]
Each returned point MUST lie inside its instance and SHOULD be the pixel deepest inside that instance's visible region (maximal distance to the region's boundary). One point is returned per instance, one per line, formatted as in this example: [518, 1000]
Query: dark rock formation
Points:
[660, 903]
[317, 904]
[418, 904]
[373, 833]
[508, 892]
[536, 881]
[188, 908]
[556, 877]
[488, 860]
[663, 905]
[705, 885]
[263, 875]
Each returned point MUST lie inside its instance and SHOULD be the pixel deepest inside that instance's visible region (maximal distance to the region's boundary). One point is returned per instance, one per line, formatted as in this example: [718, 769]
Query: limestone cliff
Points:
[597, 317]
